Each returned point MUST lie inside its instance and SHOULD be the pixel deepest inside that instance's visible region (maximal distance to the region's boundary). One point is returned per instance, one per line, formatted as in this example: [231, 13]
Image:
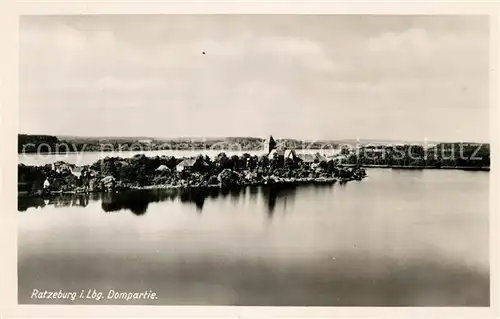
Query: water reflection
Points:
[194, 195]
[23, 203]
[253, 192]
[69, 200]
[319, 249]
[138, 201]
[235, 195]
[133, 201]
[63, 200]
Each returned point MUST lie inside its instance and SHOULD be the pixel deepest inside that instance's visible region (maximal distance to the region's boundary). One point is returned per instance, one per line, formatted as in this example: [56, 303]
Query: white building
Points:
[187, 164]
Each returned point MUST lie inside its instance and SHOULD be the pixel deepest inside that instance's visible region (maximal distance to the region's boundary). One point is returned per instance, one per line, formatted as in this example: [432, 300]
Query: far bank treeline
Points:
[443, 155]
[140, 171]
[46, 143]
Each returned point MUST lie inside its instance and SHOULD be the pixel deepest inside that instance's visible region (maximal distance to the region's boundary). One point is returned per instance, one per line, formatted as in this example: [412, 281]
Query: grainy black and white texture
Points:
[412, 232]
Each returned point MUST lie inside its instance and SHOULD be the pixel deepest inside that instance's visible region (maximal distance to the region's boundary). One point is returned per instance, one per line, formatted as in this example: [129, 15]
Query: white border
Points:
[9, 13]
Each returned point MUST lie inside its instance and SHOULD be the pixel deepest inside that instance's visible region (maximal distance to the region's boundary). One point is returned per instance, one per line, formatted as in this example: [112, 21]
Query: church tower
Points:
[270, 144]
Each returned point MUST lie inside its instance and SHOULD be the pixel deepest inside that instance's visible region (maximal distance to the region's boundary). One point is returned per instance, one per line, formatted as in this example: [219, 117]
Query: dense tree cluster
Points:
[31, 143]
[441, 155]
[141, 171]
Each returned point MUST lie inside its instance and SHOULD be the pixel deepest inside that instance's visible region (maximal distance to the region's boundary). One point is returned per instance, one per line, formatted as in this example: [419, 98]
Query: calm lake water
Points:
[399, 237]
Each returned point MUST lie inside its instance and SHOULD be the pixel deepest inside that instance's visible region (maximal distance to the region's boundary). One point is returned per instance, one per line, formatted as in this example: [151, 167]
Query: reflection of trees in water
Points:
[83, 200]
[69, 200]
[138, 201]
[236, 194]
[61, 200]
[95, 196]
[23, 203]
[253, 192]
[224, 192]
[194, 195]
[135, 201]
[214, 192]
[273, 195]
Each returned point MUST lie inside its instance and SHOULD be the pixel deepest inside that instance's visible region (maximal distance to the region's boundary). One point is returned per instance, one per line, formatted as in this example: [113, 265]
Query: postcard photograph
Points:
[254, 160]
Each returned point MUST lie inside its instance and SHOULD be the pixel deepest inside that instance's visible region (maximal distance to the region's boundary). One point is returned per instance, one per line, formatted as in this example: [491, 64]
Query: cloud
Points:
[416, 53]
[102, 61]
[411, 40]
[285, 82]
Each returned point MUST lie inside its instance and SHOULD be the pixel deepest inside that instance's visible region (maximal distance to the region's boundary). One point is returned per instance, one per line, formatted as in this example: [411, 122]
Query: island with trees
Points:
[142, 172]
[353, 153]
[281, 165]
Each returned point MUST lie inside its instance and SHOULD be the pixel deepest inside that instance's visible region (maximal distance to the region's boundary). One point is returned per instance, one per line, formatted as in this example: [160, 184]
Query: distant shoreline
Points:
[465, 168]
[160, 150]
[460, 156]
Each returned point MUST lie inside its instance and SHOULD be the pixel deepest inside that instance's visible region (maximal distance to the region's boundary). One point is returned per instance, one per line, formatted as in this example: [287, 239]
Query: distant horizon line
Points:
[200, 138]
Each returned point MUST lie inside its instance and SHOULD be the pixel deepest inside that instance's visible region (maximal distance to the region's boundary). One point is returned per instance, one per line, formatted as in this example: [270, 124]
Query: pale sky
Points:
[297, 76]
